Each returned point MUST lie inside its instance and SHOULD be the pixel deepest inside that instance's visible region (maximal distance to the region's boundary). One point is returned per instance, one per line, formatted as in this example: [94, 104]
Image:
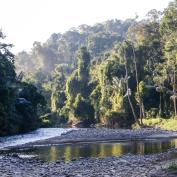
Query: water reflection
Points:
[69, 152]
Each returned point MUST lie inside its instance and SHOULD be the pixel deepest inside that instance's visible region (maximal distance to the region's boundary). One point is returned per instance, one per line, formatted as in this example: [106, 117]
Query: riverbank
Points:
[39, 134]
[166, 124]
[85, 135]
[153, 165]
[124, 166]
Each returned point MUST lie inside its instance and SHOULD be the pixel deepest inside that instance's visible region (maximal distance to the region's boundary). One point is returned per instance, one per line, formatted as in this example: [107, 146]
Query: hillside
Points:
[114, 73]
[62, 48]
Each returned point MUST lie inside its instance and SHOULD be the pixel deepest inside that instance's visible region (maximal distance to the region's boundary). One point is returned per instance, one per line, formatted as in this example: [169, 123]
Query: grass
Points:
[167, 124]
[173, 167]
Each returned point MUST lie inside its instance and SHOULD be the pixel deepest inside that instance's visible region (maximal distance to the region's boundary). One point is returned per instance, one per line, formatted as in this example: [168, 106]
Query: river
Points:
[39, 134]
[68, 152]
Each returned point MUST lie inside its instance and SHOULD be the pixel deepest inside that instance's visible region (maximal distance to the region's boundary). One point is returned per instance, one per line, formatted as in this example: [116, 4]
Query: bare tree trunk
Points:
[143, 110]
[165, 104]
[160, 104]
[127, 87]
[137, 84]
[174, 92]
[174, 102]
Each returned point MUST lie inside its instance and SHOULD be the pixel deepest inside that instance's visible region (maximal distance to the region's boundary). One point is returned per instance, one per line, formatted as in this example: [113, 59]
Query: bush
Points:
[83, 110]
[29, 118]
[173, 167]
[53, 120]
[47, 120]
[115, 120]
[167, 124]
[153, 112]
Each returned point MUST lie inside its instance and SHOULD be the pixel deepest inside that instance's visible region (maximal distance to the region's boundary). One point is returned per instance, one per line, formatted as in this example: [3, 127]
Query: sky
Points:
[26, 21]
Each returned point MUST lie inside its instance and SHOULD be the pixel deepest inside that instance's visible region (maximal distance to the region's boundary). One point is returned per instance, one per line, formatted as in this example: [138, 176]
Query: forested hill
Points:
[113, 73]
[62, 48]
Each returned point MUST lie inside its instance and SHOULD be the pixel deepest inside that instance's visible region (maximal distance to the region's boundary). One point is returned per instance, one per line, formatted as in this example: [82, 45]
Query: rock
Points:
[15, 155]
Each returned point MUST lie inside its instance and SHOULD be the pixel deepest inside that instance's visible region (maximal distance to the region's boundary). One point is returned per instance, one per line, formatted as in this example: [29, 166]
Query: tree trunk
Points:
[165, 104]
[137, 84]
[143, 110]
[174, 103]
[160, 104]
[174, 93]
[127, 87]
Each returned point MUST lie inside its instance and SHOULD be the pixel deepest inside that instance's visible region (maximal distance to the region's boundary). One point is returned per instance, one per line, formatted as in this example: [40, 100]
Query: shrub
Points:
[115, 120]
[83, 110]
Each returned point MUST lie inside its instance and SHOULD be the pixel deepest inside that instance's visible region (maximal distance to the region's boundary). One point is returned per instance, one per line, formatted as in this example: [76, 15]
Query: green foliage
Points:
[72, 87]
[55, 119]
[58, 86]
[173, 167]
[126, 71]
[29, 118]
[142, 92]
[166, 124]
[83, 64]
[18, 101]
[8, 116]
[115, 119]
[57, 101]
[83, 110]
[30, 93]
[102, 41]
[169, 20]
[62, 48]
[77, 89]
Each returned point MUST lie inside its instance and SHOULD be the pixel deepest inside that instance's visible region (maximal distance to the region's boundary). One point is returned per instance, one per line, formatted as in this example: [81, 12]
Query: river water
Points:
[39, 134]
[74, 151]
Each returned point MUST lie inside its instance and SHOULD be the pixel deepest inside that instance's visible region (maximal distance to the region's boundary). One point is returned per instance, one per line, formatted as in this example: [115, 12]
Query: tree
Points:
[169, 20]
[171, 56]
[8, 118]
[129, 90]
[168, 31]
[58, 86]
[83, 110]
[78, 89]
[18, 101]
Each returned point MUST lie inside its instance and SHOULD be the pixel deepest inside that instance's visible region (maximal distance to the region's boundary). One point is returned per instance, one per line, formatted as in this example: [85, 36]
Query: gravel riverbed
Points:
[124, 166]
[154, 165]
[104, 134]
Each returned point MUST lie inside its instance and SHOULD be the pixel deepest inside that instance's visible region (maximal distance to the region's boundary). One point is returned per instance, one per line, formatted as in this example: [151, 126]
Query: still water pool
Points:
[69, 152]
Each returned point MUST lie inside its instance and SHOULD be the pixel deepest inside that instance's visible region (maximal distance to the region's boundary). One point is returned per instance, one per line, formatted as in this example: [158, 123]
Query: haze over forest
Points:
[30, 21]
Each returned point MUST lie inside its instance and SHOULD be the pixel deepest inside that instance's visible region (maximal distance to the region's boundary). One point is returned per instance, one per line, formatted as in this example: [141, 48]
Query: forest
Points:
[114, 74]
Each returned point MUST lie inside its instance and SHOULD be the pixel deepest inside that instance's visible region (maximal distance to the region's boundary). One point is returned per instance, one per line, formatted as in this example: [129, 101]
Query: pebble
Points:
[129, 166]
[153, 165]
